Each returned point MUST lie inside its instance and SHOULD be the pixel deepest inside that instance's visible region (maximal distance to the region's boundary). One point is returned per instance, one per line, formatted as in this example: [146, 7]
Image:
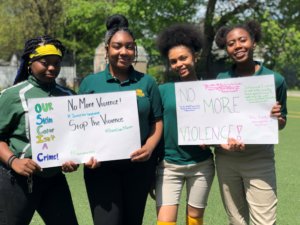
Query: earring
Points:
[106, 58]
[135, 55]
[106, 54]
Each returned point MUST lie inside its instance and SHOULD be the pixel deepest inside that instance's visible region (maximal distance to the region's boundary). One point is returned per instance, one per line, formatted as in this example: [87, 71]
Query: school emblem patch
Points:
[140, 93]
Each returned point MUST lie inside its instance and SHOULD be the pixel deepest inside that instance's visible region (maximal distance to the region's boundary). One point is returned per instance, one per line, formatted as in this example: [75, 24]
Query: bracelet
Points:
[10, 160]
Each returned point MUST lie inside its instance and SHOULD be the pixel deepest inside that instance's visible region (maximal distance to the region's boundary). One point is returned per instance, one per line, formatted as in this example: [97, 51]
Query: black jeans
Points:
[118, 191]
[51, 198]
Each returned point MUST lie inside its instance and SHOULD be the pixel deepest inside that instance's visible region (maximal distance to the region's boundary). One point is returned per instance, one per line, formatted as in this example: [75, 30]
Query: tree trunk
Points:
[208, 39]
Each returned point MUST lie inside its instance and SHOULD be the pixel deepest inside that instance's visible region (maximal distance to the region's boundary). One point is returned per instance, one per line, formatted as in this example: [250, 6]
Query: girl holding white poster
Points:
[117, 190]
[190, 165]
[24, 186]
[247, 178]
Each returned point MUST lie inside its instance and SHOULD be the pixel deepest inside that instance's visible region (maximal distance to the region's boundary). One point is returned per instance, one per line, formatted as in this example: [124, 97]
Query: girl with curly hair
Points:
[190, 165]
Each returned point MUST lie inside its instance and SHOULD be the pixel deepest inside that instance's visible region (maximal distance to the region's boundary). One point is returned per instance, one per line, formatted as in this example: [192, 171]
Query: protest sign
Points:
[210, 112]
[105, 126]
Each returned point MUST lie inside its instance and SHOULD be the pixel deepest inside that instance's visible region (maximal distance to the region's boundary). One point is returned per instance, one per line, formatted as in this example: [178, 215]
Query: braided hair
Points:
[30, 46]
[179, 34]
[115, 23]
[252, 27]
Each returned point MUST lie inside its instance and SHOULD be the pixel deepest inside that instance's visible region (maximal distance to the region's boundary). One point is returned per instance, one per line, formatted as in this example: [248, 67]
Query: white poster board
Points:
[105, 126]
[209, 112]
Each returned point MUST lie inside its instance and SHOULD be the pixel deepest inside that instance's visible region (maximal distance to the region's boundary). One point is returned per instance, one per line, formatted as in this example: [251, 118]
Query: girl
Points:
[192, 165]
[117, 190]
[247, 178]
[24, 186]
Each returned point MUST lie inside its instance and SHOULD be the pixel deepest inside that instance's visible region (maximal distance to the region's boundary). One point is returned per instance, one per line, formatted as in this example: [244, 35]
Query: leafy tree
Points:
[289, 12]
[21, 20]
[148, 18]
[84, 28]
[281, 49]
[80, 24]
[151, 16]
[217, 15]
[85, 23]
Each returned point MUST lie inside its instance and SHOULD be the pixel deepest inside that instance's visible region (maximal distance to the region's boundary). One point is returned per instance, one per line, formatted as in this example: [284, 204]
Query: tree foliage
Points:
[80, 24]
[21, 20]
[84, 28]
[151, 16]
[281, 49]
[289, 12]
[218, 14]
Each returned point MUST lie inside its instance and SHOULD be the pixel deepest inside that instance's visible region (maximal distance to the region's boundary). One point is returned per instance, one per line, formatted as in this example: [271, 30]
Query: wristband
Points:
[10, 160]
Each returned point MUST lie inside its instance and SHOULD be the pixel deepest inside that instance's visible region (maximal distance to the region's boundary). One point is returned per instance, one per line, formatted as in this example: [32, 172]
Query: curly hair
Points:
[179, 34]
[252, 27]
[30, 46]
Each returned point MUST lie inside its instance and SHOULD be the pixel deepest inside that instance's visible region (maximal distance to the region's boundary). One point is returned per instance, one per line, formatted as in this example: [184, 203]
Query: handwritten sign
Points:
[105, 126]
[209, 112]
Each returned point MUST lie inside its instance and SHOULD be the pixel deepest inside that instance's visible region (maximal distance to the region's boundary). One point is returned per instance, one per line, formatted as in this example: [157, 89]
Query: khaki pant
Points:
[248, 185]
[171, 178]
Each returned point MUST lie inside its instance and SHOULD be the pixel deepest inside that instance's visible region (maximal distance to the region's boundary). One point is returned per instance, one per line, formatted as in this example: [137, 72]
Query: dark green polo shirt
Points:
[180, 155]
[148, 98]
[14, 124]
[280, 85]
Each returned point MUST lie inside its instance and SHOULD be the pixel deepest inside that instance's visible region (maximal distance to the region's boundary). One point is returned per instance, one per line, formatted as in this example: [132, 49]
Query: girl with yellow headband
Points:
[24, 186]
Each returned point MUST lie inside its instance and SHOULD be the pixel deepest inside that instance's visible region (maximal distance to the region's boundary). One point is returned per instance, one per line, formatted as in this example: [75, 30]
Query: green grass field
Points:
[288, 180]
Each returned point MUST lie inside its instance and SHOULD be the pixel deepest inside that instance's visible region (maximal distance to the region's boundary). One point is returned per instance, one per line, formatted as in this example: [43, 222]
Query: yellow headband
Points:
[44, 50]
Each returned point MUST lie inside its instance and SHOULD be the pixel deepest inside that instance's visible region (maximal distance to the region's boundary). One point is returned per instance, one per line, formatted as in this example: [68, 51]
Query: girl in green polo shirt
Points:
[247, 178]
[190, 165]
[24, 186]
[117, 190]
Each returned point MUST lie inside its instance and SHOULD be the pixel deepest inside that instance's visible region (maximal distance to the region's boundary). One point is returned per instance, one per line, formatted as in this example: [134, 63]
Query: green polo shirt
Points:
[173, 153]
[280, 85]
[14, 128]
[148, 98]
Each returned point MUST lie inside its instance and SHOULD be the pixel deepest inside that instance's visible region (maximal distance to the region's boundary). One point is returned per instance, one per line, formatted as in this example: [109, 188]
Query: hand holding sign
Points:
[76, 128]
[92, 163]
[210, 112]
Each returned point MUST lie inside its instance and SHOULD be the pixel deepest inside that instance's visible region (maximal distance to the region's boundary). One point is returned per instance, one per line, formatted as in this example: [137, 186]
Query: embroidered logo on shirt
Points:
[140, 93]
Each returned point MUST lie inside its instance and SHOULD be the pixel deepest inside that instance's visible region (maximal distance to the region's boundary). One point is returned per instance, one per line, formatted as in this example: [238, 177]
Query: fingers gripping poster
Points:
[105, 126]
[210, 112]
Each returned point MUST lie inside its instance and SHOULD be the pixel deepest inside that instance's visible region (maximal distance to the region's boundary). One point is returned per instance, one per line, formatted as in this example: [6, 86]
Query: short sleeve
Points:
[156, 105]
[82, 87]
[281, 97]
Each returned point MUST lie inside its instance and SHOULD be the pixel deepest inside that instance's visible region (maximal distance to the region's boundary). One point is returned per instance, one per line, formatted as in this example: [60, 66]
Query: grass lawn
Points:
[288, 180]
